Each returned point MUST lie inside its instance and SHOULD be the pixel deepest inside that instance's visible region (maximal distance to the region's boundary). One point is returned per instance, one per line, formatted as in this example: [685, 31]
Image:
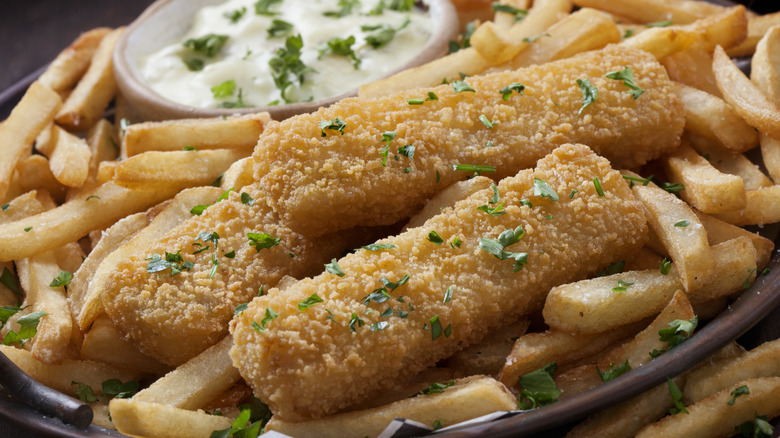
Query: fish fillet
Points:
[309, 362]
[321, 184]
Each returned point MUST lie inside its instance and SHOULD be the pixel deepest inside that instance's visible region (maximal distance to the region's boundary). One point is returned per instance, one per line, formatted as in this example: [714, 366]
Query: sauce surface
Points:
[223, 60]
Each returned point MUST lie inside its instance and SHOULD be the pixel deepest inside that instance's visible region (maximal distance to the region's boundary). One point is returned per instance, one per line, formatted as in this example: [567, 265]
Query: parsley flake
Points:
[589, 94]
[8, 280]
[505, 239]
[665, 266]
[334, 268]
[262, 241]
[742, 390]
[676, 394]
[678, 332]
[462, 86]
[28, 327]
[627, 76]
[62, 279]
[270, 315]
[434, 238]
[378, 246]
[263, 7]
[84, 392]
[236, 15]
[387, 137]
[355, 321]
[506, 92]
[494, 207]
[682, 224]
[758, 428]
[473, 168]
[342, 47]
[336, 124]
[310, 301]
[538, 387]
[597, 184]
[517, 13]
[435, 388]
[541, 188]
[224, 89]
[613, 371]
[207, 45]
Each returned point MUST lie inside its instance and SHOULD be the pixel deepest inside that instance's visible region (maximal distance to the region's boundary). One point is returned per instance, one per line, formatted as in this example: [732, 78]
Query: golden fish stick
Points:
[331, 169]
[328, 342]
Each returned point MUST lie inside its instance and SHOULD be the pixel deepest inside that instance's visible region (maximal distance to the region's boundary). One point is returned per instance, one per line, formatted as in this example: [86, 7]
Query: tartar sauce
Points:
[255, 53]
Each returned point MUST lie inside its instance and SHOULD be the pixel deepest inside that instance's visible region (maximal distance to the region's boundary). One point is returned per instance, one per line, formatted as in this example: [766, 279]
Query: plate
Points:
[752, 308]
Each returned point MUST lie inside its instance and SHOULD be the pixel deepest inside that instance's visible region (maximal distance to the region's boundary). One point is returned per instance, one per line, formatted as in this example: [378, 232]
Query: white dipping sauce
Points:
[245, 56]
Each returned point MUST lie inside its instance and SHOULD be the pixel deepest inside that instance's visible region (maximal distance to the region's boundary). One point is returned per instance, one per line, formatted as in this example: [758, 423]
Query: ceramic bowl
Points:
[166, 21]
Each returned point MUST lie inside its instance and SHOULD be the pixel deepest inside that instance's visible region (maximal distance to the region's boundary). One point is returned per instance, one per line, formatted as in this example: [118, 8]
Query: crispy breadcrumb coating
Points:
[310, 362]
[320, 184]
[173, 318]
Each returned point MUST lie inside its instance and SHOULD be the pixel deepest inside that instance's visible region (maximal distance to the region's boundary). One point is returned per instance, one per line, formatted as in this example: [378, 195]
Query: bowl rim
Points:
[151, 106]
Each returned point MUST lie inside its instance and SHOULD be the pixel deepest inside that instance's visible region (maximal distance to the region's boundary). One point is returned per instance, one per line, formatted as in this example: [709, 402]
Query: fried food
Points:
[321, 177]
[309, 360]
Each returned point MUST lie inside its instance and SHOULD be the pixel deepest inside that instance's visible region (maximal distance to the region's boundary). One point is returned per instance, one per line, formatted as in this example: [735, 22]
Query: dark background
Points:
[33, 32]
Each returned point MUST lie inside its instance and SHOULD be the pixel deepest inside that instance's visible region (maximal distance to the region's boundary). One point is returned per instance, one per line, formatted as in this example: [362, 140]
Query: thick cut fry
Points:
[662, 41]
[466, 399]
[735, 261]
[182, 168]
[682, 234]
[68, 67]
[765, 65]
[770, 152]
[234, 132]
[69, 256]
[729, 162]
[103, 343]
[61, 375]
[151, 420]
[174, 214]
[762, 361]
[238, 175]
[727, 28]
[743, 96]
[544, 14]
[504, 19]
[711, 117]
[758, 26]
[22, 207]
[69, 159]
[762, 207]
[34, 173]
[577, 380]
[196, 382]
[714, 417]
[75, 219]
[313, 367]
[94, 92]
[102, 143]
[447, 198]
[494, 43]
[692, 67]
[28, 118]
[706, 188]
[488, 356]
[645, 11]
[323, 184]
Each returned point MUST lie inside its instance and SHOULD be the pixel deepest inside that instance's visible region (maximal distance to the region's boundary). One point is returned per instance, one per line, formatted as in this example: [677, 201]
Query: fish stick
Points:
[174, 317]
[328, 342]
[321, 175]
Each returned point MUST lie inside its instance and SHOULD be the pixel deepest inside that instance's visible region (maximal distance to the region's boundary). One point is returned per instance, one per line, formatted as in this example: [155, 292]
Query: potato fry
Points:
[707, 310]
[762, 361]
[711, 117]
[577, 380]
[103, 343]
[151, 419]
[106, 171]
[466, 399]
[488, 356]
[645, 258]
[85, 105]
[447, 198]
[34, 173]
[644, 11]
[726, 28]
[692, 67]
[770, 152]
[765, 65]
[238, 175]
[763, 207]
[682, 234]
[494, 43]
[34, 112]
[729, 162]
[174, 214]
[662, 41]
[196, 382]
[758, 26]
[21, 207]
[706, 188]
[714, 417]
[71, 64]
[69, 159]
[61, 375]
[74, 219]
[234, 132]
[103, 144]
[183, 168]
[504, 19]
[69, 256]
[743, 96]
[735, 261]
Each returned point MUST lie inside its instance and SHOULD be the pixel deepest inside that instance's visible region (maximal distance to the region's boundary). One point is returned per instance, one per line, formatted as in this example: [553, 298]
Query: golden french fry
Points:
[645, 11]
[504, 19]
[234, 132]
[682, 234]
[494, 43]
[197, 381]
[707, 310]
[743, 96]
[61, 375]
[238, 175]
[644, 259]
[765, 65]
[106, 171]
[715, 417]
[758, 26]
[719, 232]
[75, 219]
[151, 419]
[183, 168]
[69, 256]
[71, 64]
[711, 117]
[736, 265]
[101, 415]
[28, 118]
[103, 144]
[488, 356]
[466, 399]
[34, 173]
[763, 207]
[577, 380]
[447, 198]
[728, 161]
[662, 41]
[770, 152]
[21, 207]
[94, 92]
[726, 28]
[104, 343]
[69, 158]
[692, 67]
[706, 188]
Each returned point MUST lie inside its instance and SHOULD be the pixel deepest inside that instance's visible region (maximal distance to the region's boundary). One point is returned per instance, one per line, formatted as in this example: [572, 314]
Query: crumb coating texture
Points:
[321, 184]
[174, 318]
[307, 364]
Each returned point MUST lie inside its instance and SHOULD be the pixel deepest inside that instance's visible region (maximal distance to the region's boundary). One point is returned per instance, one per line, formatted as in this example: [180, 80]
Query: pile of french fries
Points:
[81, 193]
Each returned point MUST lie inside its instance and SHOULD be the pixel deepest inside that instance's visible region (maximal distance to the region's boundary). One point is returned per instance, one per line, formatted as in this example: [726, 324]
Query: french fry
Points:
[644, 11]
[183, 168]
[715, 417]
[404, 388]
[762, 361]
[645, 258]
[151, 419]
[706, 188]
[103, 144]
[174, 214]
[69, 256]
[69, 158]
[735, 261]
[711, 117]
[21, 207]
[743, 96]
[61, 375]
[577, 380]
[234, 132]
[707, 310]
[197, 381]
[506, 20]
[101, 415]
[758, 26]
[765, 65]
[729, 162]
[103, 343]
[94, 92]
[770, 152]
[28, 118]
[488, 356]
[106, 171]
[238, 175]
[682, 234]
[34, 173]
[71, 64]
[74, 219]
[692, 67]
[726, 28]
[762, 207]
[468, 398]
[662, 41]
[447, 198]
[494, 44]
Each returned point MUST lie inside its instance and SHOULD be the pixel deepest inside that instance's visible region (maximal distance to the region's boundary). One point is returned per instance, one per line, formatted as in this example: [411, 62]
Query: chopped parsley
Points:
[758, 428]
[456, 242]
[517, 13]
[538, 387]
[270, 315]
[379, 326]
[235, 16]
[342, 47]
[8, 280]
[246, 199]
[243, 426]
[436, 330]
[5, 207]
[62, 279]
[633, 179]
[665, 266]
[263, 7]
[435, 388]
[378, 246]
[627, 76]
[505, 239]
[387, 137]
[473, 168]
[239, 103]
[84, 392]
[488, 124]
[622, 286]
[494, 207]
[214, 265]
[174, 262]
[673, 187]
[334, 268]
[92, 197]
[355, 322]
[613, 371]
[279, 28]
[287, 63]
[434, 238]
[240, 308]
[418, 101]
[666, 23]
[28, 327]
[541, 188]
[407, 151]
[676, 394]
[27, 229]
[224, 89]
[589, 94]
[346, 9]
[465, 39]
[262, 241]
[310, 301]
[597, 184]
[742, 390]
[534, 38]
[572, 193]
[384, 35]
[115, 387]
[336, 124]
[462, 86]
[678, 332]
[506, 92]
[207, 45]
[682, 224]
[612, 269]
[628, 33]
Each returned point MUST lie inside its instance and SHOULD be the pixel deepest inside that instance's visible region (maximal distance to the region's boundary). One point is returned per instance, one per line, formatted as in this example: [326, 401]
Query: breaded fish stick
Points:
[323, 175]
[328, 342]
[174, 317]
